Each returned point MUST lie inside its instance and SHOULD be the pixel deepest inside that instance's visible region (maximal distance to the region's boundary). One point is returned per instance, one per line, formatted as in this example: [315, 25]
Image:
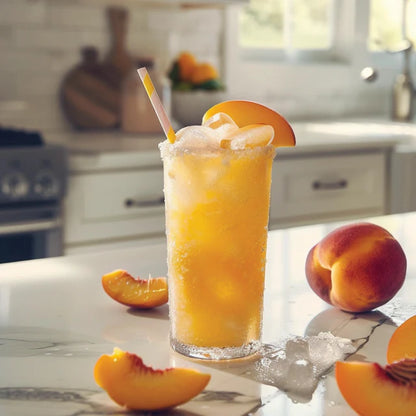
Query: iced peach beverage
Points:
[217, 193]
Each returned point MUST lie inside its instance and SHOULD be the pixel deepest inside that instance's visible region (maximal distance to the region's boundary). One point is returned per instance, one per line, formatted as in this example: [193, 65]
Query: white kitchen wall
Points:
[40, 41]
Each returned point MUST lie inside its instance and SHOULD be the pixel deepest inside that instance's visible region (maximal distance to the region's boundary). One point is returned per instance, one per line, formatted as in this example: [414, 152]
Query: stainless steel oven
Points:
[32, 186]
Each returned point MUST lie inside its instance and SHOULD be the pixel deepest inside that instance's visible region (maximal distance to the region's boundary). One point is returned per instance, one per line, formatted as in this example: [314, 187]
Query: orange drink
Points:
[217, 196]
[217, 209]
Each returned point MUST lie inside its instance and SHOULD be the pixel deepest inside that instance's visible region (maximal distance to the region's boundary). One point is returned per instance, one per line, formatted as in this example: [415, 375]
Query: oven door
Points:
[30, 240]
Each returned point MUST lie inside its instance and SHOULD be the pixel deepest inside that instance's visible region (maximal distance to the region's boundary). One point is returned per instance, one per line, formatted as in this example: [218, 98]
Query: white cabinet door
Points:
[110, 205]
[327, 187]
[403, 181]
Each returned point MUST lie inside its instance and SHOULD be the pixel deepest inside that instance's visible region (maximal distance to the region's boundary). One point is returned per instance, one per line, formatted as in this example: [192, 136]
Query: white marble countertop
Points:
[111, 149]
[56, 320]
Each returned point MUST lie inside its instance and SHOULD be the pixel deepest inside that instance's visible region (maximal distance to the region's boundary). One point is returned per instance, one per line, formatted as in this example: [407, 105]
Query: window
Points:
[280, 49]
[287, 25]
[390, 22]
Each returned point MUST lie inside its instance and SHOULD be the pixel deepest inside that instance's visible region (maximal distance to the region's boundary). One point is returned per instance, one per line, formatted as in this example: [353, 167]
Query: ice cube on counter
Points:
[297, 367]
[297, 349]
[325, 349]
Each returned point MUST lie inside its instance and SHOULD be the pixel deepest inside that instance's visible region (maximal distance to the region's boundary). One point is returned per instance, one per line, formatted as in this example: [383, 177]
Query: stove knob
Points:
[46, 184]
[14, 185]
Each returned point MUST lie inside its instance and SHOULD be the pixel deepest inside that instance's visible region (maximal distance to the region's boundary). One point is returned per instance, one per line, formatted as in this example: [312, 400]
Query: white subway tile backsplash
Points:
[8, 87]
[203, 45]
[20, 60]
[6, 36]
[188, 21]
[40, 41]
[34, 113]
[22, 12]
[164, 20]
[76, 16]
[36, 85]
[137, 20]
[201, 20]
[62, 39]
[62, 61]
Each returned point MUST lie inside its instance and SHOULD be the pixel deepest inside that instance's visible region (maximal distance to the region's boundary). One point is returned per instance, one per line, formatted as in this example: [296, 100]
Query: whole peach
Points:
[357, 267]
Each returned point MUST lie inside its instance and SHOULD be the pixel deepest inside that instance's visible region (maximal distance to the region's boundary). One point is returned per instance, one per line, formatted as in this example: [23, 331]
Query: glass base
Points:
[216, 353]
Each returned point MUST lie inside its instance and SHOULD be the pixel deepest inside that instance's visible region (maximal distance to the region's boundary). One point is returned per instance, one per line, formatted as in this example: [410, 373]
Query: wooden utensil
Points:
[90, 96]
[118, 61]
[91, 92]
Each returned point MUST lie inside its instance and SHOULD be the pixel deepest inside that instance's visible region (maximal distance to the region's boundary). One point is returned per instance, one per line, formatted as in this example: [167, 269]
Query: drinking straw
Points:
[157, 104]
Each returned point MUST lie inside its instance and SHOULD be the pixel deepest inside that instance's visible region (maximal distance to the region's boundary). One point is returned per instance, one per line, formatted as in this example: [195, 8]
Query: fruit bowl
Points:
[188, 107]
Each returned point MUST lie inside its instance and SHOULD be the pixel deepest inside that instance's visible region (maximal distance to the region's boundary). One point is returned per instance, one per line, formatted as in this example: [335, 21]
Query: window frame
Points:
[336, 52]
[349, 55]
[293, 54]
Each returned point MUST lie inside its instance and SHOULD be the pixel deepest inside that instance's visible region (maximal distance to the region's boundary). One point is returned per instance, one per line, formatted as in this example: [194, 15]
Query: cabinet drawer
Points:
[117, 204]
[324, 186]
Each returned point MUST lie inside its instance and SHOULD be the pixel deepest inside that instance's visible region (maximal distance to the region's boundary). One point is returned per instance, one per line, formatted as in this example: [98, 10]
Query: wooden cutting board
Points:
[91, 92]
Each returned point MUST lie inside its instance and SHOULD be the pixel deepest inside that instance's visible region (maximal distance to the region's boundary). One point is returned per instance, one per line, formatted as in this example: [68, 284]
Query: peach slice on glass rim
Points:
[135, 293]
[130, 383]
[402, 343]
[373, 390]
[245, 113]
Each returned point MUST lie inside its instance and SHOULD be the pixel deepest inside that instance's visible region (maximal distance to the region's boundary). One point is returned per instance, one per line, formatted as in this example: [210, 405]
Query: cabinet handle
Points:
[319, 185]
[140, 203]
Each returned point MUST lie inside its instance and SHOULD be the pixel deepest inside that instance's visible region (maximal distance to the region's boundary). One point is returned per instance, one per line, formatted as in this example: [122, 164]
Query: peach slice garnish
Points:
[245, 113]
[130, 383]
[136, 293]
[402, 343]
[373, 390]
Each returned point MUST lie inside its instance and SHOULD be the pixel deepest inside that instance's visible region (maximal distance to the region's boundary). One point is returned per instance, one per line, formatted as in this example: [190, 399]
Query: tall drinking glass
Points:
[217, 211]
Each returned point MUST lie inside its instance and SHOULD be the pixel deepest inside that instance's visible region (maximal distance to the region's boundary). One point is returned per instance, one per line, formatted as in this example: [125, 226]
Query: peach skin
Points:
[357, 267]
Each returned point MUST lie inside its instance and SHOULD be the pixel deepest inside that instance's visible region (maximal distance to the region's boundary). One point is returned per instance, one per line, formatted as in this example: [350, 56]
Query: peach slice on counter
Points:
[402, 343]
[135, 293]
[373, 390]
[245, 113]
[356, 267]
[130, 383]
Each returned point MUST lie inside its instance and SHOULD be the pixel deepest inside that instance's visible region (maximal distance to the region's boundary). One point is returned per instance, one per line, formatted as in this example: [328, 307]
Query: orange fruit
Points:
[130, 383]
[187, 64]
[203, 72]
[245, 113]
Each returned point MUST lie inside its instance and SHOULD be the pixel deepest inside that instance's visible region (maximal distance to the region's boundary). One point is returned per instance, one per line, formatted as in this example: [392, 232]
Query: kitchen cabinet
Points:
[403, 174]
[116, 199]
[114, 207]
[326, 187]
